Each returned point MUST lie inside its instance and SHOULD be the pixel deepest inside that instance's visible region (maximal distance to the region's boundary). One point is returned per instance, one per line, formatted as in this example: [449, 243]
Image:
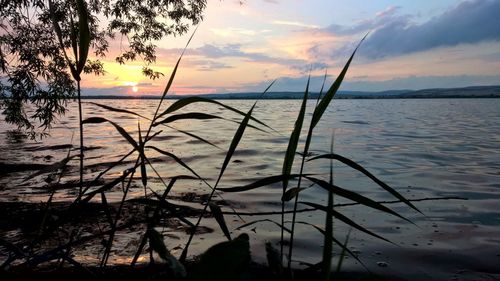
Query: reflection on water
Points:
[423, 148]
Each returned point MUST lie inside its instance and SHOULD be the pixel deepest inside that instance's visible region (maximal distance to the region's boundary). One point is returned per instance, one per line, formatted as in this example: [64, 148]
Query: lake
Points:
[424, 148]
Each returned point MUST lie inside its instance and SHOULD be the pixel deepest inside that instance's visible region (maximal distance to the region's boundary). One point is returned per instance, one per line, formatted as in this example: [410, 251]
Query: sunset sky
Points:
[243, 47]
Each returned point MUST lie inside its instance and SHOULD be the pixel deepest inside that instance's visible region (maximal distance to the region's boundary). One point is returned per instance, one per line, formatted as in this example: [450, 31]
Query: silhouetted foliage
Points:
[34, 67]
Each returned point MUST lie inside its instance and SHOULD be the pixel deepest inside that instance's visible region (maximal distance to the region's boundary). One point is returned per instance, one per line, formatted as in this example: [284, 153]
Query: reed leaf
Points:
[144, 176]
[345, 220]
[365, 201]
[106, 187]
[193, 136]
[189, 116]
[219, 217]
[291, 193]
[234, 142]
[174, 71]
[190, 100]
[259, 183]
[328, 236]
[294, 140]
[110, 108]
[176, 159]
[343, 253]
[264, 220]
[123, 132]
[358, 167]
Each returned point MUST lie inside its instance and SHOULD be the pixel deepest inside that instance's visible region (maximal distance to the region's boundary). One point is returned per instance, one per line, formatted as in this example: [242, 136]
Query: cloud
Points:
[311, 67]
[380, 19]
[469, 22]
[208, 65]
[294, 23]
[210, 52]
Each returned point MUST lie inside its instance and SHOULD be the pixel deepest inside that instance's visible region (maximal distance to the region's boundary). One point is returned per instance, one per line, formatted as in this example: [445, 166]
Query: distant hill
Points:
[467, 92]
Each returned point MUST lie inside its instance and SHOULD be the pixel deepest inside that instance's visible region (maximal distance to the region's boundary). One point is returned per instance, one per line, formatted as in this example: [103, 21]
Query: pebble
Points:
[382, 264]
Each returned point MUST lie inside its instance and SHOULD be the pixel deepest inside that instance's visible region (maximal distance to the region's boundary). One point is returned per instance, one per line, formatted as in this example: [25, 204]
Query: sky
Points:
[244, 46]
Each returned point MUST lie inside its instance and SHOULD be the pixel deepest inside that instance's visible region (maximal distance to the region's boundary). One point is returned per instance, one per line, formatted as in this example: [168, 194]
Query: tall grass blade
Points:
[343, 253]
[219, 217]
[232, 148]
[320, 95]
[144, 176]
[345, 220]
[294, 139]
[328, 236]
[358, 167]
[343, 246]
[320, 108]
[325, 101]
[174, 72]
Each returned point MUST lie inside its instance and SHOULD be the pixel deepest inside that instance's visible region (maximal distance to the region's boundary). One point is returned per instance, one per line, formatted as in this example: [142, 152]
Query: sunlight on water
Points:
[423, 148]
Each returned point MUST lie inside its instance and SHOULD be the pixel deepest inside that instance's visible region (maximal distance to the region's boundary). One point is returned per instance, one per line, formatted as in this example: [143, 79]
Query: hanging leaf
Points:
[84, 32]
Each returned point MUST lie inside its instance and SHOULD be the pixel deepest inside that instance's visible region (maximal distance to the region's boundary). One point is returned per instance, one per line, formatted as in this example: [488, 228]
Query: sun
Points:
[135, 89]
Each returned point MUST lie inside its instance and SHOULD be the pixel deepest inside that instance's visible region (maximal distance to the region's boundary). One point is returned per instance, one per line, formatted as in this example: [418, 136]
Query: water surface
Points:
[424, 148]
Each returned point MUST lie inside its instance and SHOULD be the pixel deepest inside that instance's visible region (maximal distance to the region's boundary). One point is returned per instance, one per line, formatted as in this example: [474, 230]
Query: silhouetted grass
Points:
[235, 251]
